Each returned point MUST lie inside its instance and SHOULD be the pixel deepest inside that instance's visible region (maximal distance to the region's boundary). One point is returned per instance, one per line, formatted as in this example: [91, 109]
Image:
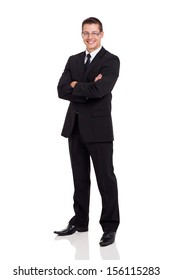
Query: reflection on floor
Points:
[84, 246]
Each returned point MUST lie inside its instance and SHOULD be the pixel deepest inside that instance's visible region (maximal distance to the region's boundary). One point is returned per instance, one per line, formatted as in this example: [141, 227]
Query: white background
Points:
[37, 37]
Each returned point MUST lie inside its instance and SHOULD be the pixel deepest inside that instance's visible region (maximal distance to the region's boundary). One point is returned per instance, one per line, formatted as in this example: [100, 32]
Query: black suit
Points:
[91, 133]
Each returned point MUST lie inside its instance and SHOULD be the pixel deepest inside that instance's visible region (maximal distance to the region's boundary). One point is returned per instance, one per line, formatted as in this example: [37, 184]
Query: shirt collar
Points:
[94, 53]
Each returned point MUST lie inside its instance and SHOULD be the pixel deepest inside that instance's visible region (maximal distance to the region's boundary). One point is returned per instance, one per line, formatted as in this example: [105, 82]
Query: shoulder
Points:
[111, 56]
[76, 56]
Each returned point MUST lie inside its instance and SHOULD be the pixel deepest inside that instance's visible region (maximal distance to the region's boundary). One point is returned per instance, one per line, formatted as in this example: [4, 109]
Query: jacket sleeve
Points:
[64, 89]
[98, 89]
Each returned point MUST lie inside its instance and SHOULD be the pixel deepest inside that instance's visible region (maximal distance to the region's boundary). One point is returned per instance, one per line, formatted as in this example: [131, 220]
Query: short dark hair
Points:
[91, 20]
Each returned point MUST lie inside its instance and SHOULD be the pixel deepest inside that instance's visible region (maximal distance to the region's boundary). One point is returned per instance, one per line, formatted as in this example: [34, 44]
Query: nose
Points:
[90, 35]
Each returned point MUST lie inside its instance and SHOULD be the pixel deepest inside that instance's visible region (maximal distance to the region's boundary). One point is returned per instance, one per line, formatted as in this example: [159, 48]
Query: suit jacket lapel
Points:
[94, 62]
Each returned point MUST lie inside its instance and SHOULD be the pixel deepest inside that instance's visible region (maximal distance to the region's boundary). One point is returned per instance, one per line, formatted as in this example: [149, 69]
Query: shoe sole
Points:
[106, 243]
[76, 230]
[82, 229]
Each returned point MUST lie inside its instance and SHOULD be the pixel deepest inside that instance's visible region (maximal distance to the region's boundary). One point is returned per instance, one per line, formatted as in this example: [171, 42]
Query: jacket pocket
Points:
[101, 113]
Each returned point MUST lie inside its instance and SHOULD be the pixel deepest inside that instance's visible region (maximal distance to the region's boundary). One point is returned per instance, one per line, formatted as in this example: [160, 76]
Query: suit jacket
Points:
[90, 100]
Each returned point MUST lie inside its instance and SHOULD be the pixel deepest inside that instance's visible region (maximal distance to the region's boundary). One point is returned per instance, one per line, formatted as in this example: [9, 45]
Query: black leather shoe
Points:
[108, 238]
[70, 229]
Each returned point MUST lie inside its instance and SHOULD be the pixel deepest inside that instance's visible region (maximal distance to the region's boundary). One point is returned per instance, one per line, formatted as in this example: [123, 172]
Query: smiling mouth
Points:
[90, 42]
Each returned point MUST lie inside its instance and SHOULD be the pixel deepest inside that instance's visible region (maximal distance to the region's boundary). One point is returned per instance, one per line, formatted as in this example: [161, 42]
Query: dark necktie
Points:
[88, 60]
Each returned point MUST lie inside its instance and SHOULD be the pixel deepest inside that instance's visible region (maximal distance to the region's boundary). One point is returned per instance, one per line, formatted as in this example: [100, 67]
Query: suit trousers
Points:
[101, 154]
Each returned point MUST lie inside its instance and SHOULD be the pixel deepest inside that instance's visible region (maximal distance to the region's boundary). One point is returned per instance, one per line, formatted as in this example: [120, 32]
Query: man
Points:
[87, 82]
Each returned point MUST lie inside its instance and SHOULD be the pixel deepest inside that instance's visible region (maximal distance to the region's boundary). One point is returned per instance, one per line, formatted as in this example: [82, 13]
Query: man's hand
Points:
[72, 84]
[99, 77]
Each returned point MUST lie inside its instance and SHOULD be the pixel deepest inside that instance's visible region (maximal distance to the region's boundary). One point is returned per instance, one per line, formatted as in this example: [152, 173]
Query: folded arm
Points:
[65, 89]
[102, 84]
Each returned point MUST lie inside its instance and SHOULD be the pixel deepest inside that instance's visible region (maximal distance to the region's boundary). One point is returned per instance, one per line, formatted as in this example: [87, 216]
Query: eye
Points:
[93, 34]
[85, 33]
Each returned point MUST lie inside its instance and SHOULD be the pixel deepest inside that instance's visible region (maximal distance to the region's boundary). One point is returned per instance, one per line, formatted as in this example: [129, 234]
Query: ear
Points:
[102, 34]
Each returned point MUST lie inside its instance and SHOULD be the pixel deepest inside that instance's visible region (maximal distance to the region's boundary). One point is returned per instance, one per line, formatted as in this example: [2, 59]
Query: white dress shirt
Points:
[93, 54]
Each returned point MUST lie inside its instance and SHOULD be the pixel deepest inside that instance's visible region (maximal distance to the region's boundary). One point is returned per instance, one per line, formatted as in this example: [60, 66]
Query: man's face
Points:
[92, 36]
